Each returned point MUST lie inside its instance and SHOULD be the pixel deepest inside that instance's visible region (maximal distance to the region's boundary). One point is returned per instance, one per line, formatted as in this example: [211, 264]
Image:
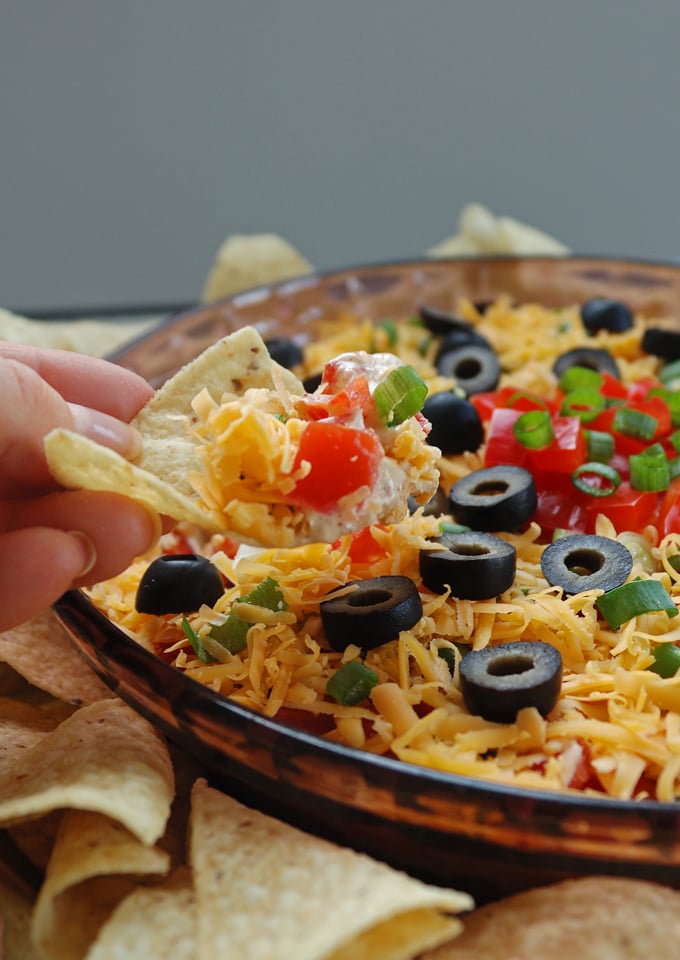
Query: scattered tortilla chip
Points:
[42, 652]
[104, 758]
[595, 918]
[290, 894]
[252, 260]
[15, 913]
[95, 863]
[480, 232]
[22, 727]
[35, 838]
[153, 923]
[96, 338]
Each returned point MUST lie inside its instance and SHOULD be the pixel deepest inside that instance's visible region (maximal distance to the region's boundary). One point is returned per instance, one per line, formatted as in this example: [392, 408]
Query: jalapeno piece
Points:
[494, 498]
[475, 566]
[581, 562]
[371, 613]
[498, 682]
[178, 583]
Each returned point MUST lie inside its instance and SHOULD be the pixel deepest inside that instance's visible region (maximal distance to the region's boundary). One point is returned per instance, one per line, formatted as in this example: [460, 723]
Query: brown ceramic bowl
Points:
[485, 838]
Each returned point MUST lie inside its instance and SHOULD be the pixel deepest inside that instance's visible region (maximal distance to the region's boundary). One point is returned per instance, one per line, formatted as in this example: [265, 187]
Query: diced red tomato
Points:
[364, 548]
[567, 451]
[627, 509]
[342, 460]
[355, 396]
[669, 511]
[638, 391]
[484, 404]
[560, 505]
[502, 446]
[612, 388]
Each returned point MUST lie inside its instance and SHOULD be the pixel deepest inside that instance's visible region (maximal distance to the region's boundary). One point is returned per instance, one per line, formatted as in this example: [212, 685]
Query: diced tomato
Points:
[612, 388]
[364, 548]
[567, 451]
[484, 404]
[502, 446]
[355, 396]
[628, 509]
[560, 505]
[523, 400]
[342, 460]
[669, 511]
[639, 390]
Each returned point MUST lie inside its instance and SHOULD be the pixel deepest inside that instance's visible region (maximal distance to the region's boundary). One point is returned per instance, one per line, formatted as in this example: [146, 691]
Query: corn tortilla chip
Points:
[104, 758]
[22, 727]
[95, 863]
[152, 923]
[480, 232]
[42, 652]
[35, 838]
[289, 894]
[96, 338]
[251, 260]
[595, 918]
[15, 913]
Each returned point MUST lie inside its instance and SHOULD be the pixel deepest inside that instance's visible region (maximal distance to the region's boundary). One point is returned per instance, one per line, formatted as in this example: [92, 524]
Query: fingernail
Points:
[89, 552]
[156, 527]
[106, 430]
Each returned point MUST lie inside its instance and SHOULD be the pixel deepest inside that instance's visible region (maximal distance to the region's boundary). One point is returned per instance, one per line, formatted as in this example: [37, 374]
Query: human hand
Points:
[53, 539]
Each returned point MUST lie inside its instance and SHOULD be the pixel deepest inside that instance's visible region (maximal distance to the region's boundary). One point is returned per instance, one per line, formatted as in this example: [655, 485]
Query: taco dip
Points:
[488, 658]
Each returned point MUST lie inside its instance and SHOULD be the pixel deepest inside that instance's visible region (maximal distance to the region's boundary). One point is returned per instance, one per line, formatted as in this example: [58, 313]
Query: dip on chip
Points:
[233, 444]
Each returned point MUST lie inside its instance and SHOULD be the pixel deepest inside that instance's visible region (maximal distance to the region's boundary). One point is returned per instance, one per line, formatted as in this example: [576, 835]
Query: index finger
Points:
[87, 381]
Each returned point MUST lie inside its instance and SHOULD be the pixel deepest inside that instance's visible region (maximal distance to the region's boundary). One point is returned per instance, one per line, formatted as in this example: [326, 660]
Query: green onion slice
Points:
[232, 633]
[196, 642]
[577, 378]
[621, 604]
[666, 660]
[583, 403]
[587, 478]
[670, 372]
[390, 328]
[650, 470]
[600, 445]
[534, 429]
[446, 526]
[634, 423]
[352, 683]
[400, 395]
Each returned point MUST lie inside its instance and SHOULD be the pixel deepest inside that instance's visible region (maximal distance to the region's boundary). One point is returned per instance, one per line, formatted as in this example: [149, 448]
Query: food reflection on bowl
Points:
[442, 827]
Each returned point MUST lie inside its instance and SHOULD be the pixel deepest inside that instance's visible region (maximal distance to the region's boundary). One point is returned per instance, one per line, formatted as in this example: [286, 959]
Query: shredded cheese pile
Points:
[616, 727]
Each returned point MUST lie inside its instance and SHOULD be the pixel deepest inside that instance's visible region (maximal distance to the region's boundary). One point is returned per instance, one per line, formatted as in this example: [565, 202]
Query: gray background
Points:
[135, 135]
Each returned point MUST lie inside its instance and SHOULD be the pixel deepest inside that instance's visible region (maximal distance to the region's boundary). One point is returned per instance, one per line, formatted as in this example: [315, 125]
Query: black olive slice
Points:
[435, 506]
[178, 583]
[284, 351]
[662, 343]
[372, 614]
[494, 498]
[591, 357]
[476, 566]
[498, 682]
[456, 425]
[601, 313]
[581, 562]
[312, 382]
[441, 324]
[474, 368]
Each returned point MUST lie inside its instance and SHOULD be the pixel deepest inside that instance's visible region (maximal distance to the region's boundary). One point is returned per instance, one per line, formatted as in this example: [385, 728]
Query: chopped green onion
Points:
[583, 403]
[577, 378]
[666, 660]
[621, 604]
[674, 467]
[596, 472]
[445, 526]
[534, 429]
[634, 423]
[424, 345]
[352, 683]
[670, 372]
[196, 643]
[650, 470]
[232, 633]
[390, 328]
[400, 395]
[600, 445]
[449, 655]
[674, 440]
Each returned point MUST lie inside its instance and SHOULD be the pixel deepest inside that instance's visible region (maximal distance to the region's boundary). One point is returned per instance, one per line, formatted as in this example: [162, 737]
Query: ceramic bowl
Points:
[488, 839]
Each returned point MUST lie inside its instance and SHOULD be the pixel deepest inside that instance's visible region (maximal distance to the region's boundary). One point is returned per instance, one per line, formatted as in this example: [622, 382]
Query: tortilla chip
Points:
[95, 863]
[35, 838]
[289, 894]
[22, 727]
[153, 923]
[595, 918]
[252, 260]
[96, 338]
[15, 913]
[480, 232]
[42, 652]
[104, 758]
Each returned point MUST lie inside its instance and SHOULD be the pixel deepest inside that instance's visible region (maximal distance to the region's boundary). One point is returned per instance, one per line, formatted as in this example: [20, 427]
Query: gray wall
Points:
[136, 134]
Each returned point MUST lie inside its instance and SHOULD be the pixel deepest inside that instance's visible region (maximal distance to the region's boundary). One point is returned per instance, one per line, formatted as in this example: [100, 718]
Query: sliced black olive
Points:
[372, 614]
[601, 313]
[456, 425]
[435, 506]
[591, 357]
[498, 682]
[461, 338]
[442, 323]
[494, 498]
[284, 351]
[476, 566]
[178, 583]
[581, 562]
[662, 343]
[313, 382]
[475, 369]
